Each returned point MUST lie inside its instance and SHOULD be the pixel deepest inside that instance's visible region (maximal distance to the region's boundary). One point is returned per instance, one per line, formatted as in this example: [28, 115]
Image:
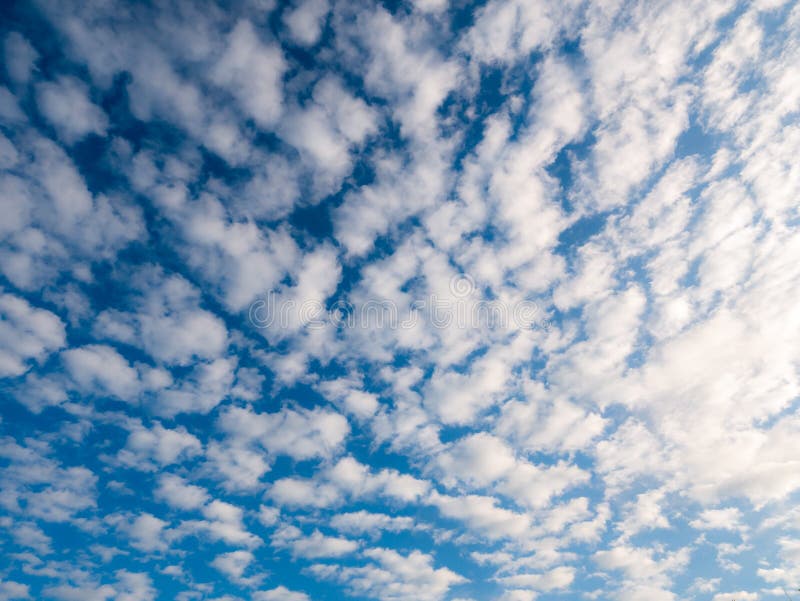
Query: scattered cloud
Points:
[407, 301]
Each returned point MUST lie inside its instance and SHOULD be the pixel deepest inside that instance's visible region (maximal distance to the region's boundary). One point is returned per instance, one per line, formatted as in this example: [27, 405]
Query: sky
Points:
[399, 301]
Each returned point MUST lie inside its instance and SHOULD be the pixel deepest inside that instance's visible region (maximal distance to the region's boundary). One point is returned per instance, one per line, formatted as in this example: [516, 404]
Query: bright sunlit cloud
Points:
[401, 301]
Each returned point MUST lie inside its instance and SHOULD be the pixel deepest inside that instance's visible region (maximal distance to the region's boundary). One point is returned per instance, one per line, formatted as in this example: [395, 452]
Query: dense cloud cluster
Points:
[173, 175]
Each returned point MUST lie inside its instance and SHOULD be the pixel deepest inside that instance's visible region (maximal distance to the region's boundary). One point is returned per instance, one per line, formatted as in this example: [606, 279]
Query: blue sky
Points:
[401, 301]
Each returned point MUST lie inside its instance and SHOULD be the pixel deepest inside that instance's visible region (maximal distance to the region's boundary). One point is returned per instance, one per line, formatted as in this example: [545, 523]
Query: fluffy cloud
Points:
[313, 546]
[26, 333]
[364, 522]
[252, 72]
[234, 564]
[483, 514]
[743, 595]
[348, 478]
[204, 205]
[66, 105]
[101, 369]
[13, 590]
[43, 487]
[177, 493]
[20, 57]
[557, 578]
[718, 519]
[56, 225]
[146, 533]
[168, 322]
[280, 593]
[392, 576]
[301, 434]
[305, 21]
[151, 448]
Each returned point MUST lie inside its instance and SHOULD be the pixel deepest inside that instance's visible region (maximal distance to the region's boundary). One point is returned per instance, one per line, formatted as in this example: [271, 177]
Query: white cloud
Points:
[201, 391]
[357, 480]
[233, 564]
[394, 577]
[238, 467]
[557, 578]
[519, 595]
[483, 514]
[14, 590]
[785, 570]
[305, 21]
[291, 309]
[179, 494]
[222, 522]
[156, 447]
[348, 478]
[8, 158]
[298, 433]
[326, 129]
[58, 226]
[643, 567]
[645, 513]
[313, 546]
[146, 533]
[534, 486]
[65, 103]
[507, 31]
[728, 518]
[544, 424]
[101, 370]
[458, 397]
[542, 150]
[26, 333]
[20, 57]
[740, 595]
[239, 257]
[133, 586]
[9, 107]
[303, 493]
[364, 522]
[252, 72]
[268, 516]
[40, 486]
[273, 189]
[65, 592]
[168, 321]
[28, 534]
[478, 459]
[280, 593]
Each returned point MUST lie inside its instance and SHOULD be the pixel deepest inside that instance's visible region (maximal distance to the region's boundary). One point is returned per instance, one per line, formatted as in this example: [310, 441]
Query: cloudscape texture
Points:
[399, 301]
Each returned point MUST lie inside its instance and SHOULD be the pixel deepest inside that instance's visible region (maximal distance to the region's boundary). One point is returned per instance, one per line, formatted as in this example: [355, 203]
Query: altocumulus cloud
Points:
[187, 188]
